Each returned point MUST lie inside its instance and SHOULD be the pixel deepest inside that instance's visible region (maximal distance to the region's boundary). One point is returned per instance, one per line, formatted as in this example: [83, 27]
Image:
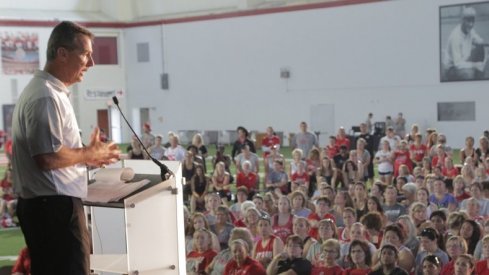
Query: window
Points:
[105, 51]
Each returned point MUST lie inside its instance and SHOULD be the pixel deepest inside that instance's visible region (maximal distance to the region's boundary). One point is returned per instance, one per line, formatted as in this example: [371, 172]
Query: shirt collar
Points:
[53, 80]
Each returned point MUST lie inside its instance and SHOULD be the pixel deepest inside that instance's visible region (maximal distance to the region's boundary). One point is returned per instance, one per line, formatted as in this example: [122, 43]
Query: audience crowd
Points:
[406, 205]
[403, 205]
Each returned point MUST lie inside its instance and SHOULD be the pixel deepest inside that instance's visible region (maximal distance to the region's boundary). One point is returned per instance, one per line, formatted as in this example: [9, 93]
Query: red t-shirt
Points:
[205, 258]
[331, 151]
[249, 267]
[356, 271]
[269, 142]
[418, 151]
[462, 197]
[282, 231]
[401, 157]
[265, 250]
[322, 270]
[481, 268]
[449, 173]
[449, 268]
[437, 161]
[342, 141]
[246, 180]
[301, 178]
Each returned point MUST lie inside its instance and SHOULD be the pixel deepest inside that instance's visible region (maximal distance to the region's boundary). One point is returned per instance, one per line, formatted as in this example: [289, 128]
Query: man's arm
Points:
[97, 153]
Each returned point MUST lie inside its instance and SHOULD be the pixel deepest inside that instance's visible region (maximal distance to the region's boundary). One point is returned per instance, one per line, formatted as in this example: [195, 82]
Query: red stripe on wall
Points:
[339, 3]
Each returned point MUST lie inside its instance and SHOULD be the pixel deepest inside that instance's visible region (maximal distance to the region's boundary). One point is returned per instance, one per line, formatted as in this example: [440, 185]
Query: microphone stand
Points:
[165, 173]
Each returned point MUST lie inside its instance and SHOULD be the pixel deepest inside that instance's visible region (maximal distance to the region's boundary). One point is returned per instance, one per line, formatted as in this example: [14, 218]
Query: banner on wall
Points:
[20, 52]
[102, 94]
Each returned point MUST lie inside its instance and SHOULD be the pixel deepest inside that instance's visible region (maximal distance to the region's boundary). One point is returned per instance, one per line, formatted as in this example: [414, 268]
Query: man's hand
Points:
[100, 153]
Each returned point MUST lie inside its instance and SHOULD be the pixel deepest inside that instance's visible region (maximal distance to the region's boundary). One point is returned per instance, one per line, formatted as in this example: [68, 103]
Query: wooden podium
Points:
[143, 233]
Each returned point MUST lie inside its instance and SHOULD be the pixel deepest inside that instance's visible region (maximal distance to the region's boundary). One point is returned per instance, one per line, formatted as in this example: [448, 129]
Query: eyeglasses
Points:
[329, 251]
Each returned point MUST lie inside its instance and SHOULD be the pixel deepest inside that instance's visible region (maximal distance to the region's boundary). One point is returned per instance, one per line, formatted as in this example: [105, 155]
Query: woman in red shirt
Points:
[482, 266]
[269, 245]
[241, 263]
[202, 255]
[282, 221]
[330, 254]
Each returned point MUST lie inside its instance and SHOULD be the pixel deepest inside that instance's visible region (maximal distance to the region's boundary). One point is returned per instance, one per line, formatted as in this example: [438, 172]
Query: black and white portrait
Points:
[464, 42]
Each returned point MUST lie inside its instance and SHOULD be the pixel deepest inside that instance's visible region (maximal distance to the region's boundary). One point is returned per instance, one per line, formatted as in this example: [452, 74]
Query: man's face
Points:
[303, 127]
[388, 257]
[467, 24]
[78, 60]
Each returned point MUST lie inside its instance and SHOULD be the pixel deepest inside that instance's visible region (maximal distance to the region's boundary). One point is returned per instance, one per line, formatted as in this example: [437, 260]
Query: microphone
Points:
[163, 168]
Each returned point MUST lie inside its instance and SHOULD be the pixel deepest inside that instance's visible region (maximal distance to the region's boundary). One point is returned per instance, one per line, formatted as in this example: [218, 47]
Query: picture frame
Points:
[464, 42]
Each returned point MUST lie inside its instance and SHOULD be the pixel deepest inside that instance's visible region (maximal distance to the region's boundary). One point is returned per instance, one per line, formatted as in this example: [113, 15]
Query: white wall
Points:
[376, 58]
[380, 57]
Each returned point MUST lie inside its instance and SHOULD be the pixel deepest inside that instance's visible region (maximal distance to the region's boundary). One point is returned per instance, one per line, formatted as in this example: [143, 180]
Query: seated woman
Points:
[409, 229]
[199, 185]
[216, 267]
[455, 246]
[291, 260]
[251, 218]
[220, 182]
[471, 232]
[222, 228]
[247, 178]
[482, 266]
[361, 258]
[330, 253]
[383, 159]
[269, 245]
[464, 265]
[202, 254]
[325, 170]
[301, 228]
[299, 177]
[417, 213]
[197, 222]
[297, 157]
[283, 220]
[241, 263]
[357, 233]
[299, 202]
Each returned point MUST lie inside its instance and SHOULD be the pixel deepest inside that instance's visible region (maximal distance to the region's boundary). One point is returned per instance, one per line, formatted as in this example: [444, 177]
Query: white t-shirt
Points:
[384, 165]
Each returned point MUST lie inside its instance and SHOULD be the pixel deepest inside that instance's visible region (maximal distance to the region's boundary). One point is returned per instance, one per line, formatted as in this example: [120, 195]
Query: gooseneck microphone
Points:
[163, 168]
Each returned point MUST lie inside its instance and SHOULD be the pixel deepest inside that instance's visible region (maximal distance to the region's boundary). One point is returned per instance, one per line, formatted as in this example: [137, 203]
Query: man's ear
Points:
[62, 53]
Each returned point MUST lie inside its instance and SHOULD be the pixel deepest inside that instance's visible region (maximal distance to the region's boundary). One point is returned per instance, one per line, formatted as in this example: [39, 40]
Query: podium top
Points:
[154, 180]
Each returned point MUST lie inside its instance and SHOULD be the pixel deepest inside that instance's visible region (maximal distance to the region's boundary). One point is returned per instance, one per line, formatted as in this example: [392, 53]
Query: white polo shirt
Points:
[43, 121]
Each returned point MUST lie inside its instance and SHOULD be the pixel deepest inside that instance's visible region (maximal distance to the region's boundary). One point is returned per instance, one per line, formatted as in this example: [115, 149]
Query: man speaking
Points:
[49, 161]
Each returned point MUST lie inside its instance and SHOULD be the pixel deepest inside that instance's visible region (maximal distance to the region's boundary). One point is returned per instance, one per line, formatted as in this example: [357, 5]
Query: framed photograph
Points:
[464, 42]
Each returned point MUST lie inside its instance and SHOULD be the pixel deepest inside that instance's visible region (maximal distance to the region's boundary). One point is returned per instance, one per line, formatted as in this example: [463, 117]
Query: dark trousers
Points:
[56, 234]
